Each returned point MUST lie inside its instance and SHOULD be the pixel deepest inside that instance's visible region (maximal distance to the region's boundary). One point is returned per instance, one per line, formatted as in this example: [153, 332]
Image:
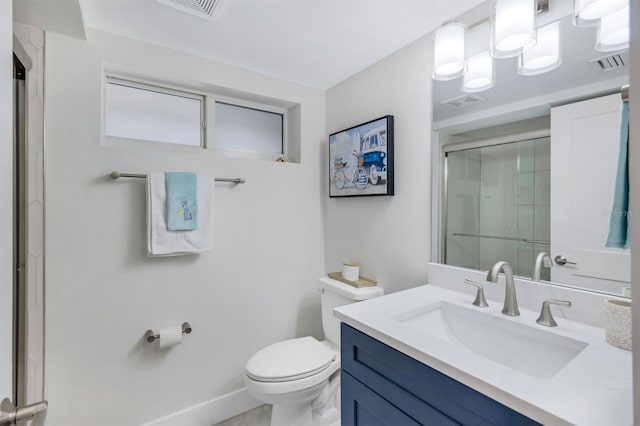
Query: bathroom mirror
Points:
[528, 166]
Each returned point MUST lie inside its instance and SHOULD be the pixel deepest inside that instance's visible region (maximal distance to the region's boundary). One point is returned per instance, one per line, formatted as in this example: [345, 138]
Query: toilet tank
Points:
[334, 294]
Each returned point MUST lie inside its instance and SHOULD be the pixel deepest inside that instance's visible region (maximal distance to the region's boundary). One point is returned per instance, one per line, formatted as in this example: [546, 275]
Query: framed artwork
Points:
[361, 159]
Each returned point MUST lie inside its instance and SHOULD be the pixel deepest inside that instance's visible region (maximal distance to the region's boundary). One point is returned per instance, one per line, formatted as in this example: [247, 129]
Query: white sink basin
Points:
[528, 349]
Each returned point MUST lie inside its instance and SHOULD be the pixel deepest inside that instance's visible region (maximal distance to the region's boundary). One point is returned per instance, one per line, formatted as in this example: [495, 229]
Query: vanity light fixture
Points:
[613, 31]
[545, 55]
[513, 27]
[591, 10]
[480, 73]
[448, 52]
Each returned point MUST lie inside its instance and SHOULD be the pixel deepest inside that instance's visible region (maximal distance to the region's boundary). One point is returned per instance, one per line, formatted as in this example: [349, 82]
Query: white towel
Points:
[161, 242]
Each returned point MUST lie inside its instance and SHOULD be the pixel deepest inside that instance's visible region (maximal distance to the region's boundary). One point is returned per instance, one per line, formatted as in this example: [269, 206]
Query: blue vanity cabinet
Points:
[382, 386]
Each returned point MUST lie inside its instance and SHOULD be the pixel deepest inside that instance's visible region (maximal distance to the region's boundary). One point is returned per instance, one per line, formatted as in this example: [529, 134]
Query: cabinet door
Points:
[363, 407]
[426, 395]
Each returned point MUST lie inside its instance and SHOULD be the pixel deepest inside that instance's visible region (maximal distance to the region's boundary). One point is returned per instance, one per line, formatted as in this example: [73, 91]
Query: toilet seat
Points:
[290, 360]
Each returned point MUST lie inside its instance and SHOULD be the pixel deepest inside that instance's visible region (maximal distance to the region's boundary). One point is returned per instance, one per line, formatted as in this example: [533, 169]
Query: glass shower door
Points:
[498, 205]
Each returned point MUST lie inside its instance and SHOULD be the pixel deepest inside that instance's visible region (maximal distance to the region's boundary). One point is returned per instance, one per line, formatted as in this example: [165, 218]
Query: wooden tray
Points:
[362, 281]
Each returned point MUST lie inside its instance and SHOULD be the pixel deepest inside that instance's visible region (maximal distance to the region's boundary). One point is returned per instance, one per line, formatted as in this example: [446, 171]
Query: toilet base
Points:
[315, 406]
[291, 414]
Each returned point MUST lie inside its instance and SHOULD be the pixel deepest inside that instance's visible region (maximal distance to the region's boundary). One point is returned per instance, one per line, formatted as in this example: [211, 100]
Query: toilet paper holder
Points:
[151, 335]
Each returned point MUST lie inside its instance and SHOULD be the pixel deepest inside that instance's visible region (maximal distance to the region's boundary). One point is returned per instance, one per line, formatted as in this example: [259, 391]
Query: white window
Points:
[146, 112]
[253, 129]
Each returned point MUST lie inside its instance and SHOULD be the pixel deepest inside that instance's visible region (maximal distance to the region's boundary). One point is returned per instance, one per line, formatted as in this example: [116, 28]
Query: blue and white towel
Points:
[160, 241]
[618, 236]
[182, 201]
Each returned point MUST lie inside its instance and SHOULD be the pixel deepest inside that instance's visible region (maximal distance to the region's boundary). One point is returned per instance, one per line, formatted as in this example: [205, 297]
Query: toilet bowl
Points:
[301, 377]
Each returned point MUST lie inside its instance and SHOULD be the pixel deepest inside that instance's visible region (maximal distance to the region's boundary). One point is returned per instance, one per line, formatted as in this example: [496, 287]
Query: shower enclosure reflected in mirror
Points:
[529, 165]
[498, 205]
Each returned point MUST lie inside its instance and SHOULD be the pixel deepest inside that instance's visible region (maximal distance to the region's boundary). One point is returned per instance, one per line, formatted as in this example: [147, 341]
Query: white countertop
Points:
[595, 388]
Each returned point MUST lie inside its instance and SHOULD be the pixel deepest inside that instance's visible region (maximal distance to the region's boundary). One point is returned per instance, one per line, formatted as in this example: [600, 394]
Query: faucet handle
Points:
[480, 301]
[546, 318]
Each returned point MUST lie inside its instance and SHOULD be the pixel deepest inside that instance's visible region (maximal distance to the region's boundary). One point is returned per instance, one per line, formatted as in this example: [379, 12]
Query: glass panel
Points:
[526, 203]
[245, 129]
[542, 200]
[463, 209]
[497, 204]
[138, 113]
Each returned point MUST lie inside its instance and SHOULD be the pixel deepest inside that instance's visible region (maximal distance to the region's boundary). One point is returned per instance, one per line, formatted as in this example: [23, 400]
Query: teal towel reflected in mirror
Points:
[619, 222]
[182, 201]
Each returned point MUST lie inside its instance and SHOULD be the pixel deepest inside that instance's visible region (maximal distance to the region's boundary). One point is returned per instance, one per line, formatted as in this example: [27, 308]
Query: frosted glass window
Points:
[245, 129]
[138, 111]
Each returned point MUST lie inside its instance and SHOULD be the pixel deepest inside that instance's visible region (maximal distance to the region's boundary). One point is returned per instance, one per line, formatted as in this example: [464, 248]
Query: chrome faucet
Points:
[543, 259]
[510, 302]
[545, 317]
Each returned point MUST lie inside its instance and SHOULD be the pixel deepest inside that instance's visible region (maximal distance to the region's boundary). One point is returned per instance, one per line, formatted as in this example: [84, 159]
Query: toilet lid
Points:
[290, 360]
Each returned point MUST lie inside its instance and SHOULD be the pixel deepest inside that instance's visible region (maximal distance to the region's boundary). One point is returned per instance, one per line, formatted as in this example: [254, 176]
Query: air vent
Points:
[200, 8]
[610, 63]
[463, 101]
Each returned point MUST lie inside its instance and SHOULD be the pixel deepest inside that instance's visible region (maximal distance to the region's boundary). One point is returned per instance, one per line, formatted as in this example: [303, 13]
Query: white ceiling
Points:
[318, 43]
[61, 16]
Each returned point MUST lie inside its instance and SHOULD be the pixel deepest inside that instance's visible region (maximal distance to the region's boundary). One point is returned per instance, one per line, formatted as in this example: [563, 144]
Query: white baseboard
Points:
[209, 413]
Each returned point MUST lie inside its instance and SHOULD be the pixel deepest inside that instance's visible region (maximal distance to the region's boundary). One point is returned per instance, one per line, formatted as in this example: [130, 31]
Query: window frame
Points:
[213, 99]
[135, 83]
[208, 99]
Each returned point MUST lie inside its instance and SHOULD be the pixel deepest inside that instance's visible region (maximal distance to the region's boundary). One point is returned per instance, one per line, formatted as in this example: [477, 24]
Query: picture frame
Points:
[361, 159]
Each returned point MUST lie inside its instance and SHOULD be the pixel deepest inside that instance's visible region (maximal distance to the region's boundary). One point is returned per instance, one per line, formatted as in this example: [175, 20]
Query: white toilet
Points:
[301, 377]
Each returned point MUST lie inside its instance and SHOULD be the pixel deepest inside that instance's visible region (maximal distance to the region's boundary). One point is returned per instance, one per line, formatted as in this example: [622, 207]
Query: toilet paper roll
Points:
[170, 336]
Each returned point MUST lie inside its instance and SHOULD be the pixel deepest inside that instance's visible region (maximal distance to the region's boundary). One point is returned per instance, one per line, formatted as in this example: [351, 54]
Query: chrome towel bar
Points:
[116, 174]
[151, 335]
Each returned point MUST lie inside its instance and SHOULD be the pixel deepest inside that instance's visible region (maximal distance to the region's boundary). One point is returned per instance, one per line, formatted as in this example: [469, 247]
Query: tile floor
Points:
[260, 416]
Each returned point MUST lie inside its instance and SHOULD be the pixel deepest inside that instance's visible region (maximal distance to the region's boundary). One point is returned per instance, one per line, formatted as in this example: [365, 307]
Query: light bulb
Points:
[480, 73]
[512, 27]
[545, 56]
[595, 9]
[448, 52]
[613, 31]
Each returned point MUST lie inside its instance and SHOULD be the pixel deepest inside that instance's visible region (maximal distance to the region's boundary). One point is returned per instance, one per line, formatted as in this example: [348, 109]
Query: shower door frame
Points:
[440, 164]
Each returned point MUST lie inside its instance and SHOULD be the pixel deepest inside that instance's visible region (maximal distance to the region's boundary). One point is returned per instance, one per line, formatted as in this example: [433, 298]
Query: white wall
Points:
[389, 236]
[6, 198]
[103, 293]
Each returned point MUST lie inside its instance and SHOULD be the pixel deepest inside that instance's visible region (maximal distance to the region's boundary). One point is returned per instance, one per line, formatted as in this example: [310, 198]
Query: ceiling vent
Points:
[463, 101]
[610, 63]
[199, 8]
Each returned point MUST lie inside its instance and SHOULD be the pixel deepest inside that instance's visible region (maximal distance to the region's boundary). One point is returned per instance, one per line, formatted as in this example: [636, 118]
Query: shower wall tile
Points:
[32, 271]
[35, 228]
[39, 177]
[501, 193]
[35, 124]
[36, 37]
[31, 183]
[32, 40]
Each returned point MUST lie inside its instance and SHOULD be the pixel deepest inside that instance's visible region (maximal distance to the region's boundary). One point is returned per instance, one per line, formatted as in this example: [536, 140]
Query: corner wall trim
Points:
[22, 54]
